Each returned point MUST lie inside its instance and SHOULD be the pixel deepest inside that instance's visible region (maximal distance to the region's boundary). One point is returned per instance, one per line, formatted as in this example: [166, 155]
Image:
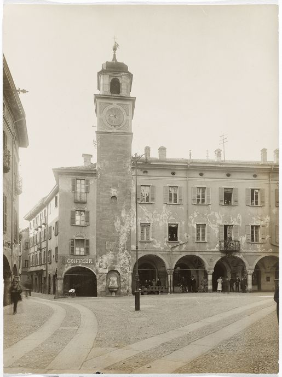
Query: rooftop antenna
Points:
[115, 47]
[223, 141]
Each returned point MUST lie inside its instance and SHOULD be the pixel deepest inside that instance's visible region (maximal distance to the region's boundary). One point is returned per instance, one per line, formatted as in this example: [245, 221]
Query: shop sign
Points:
[79, 261]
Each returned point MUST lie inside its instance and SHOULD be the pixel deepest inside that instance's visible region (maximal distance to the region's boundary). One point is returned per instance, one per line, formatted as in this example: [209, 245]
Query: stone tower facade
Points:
[114, 110]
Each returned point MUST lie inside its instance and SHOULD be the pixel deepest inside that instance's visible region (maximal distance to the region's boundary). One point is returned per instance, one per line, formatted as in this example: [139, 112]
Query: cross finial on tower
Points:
[115, 47]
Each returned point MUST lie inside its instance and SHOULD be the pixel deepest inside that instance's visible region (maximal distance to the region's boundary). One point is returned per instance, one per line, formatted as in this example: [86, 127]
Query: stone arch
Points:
[82, 279]
[228, 267]
[151, 267]
[188, 273]
[266, 273]
[115, 86]
[235, 256]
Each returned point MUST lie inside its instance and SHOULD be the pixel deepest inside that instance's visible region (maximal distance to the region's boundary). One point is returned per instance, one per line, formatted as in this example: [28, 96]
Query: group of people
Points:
[188, 285]
[224, 284]
[151, 283]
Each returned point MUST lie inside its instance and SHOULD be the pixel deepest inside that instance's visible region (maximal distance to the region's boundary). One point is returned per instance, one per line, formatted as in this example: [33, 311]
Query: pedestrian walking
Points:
[276, 299]
[244, 285]
[219, 284]
[231, 284]
[193, 284]
[15, 291]
[237, 284]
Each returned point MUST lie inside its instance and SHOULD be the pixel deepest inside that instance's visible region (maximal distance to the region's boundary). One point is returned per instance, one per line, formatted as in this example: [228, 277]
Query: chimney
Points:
[217, 154]
[87, 159]
[276, 156]
[162, 153]
[147, 153]
[263, 156]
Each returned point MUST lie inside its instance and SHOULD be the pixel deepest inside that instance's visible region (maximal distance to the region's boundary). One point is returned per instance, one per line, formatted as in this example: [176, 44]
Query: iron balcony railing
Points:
[229, 245]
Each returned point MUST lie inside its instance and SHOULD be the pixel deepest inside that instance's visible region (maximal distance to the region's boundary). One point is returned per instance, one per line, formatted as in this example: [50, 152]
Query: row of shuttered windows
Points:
[39, 237]
[202, 195]
[39, 258]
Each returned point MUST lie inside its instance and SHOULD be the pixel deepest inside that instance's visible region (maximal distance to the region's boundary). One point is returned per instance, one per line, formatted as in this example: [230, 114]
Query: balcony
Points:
[6, 160]
[229, 246]
[18, 185]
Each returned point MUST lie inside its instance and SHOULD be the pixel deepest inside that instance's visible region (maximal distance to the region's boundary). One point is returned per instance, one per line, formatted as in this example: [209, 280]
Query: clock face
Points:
[114, 116]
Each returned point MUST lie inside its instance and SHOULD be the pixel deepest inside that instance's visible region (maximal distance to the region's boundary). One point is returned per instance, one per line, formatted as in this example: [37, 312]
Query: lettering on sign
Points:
[79, 260]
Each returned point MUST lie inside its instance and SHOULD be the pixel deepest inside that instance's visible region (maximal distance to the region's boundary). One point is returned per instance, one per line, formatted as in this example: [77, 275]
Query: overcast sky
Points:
[198, 72]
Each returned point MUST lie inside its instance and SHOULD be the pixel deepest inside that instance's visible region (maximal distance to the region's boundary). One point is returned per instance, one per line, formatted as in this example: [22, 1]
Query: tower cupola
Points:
[114, 78]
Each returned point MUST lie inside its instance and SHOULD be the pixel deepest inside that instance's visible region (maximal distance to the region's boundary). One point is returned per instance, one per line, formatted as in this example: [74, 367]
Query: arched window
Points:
[115, 86]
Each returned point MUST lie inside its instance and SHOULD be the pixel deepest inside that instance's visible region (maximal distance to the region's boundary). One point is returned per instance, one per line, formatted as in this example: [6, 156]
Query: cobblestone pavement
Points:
[127, 340]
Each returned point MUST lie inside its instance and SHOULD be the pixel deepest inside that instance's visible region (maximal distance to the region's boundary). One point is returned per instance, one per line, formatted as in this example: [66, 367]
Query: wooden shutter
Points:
[248, 197]
[180, 195]
[221, 233]
[262, 233]
[87, 247]
[87, 188]
[208, 233]
[236, 232]
[208, 190]
[152, 193]
[72, 217]
[221, 196]
[194, 195]
[248, 233]
[277, 234]
[72, 246]
[235, 196]
[50, 232]
[165, 192]
[86, 217]
[262, 197]
[138, 193]
[73, 184]
[277, 197]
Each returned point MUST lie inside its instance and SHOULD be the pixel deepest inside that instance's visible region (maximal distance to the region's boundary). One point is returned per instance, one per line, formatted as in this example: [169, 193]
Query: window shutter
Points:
[277, 197]
[180, 195]
[153, 192]
[87, 247]
[236, 232]
[208, 233]
[87, 217]
[50, 232]
[194, 195]
[221, 196]
[235, 196]
[138, 193]
[262, 197]
[166, 194]
[72, 246]
[72, 217]
[221, 232]
[248, 197]
[248, 233]
[262, 233]
[86, 185]
[277, 234]
[194, 233]
[73, 181]
[208, 190]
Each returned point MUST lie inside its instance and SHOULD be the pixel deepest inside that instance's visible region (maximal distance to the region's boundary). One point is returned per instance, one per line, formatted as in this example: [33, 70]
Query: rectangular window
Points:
[56, 254]
[145, 232]
[40, 258]
[145, 194]
[26, 245]
[254, 197]
[49, 256]
[80, 218]
[44, 256]
[255, 233]
[79, 246]
[228, 196]
[56, 228]
[80, 187]
[50, 232]
[201, 232]
[56, 201]
[173, 194]
[172, 232]
[26, 263]
[201, 195]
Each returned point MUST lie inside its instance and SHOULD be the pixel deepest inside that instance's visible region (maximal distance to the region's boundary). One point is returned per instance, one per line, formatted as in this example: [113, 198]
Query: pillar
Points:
[210, 272]
[59, 287]
[170, 280]
[250, 280]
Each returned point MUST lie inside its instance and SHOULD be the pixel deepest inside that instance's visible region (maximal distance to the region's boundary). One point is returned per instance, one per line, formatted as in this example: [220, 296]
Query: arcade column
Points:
[250, 280]
[210, 272]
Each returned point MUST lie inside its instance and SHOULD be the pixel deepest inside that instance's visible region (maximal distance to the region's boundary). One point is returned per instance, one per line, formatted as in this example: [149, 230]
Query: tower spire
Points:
[115, 47]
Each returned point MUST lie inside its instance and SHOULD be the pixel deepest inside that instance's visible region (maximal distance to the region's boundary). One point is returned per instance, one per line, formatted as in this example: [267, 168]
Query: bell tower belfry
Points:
[114, 109]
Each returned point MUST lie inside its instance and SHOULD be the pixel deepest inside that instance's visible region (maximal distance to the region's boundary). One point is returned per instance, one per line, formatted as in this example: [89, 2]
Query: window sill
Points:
[141, 241]
[175, 204]
[82, 226]
[146, 202]
[201, 204]
[173, 241]
[201, 241]
[254, 205]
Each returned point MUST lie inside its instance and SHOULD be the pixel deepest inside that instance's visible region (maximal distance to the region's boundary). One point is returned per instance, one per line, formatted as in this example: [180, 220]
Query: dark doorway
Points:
[54, 284]
[82, 280]
[219, 271]
[181, 278]
[256, 279]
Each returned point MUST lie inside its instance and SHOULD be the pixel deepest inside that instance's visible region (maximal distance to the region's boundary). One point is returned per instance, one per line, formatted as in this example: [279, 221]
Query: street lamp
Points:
[137, 290]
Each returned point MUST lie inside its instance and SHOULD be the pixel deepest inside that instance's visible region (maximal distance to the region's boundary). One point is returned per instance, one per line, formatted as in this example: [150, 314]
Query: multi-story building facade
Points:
[24, 257]
[14, 137]
[201, 218]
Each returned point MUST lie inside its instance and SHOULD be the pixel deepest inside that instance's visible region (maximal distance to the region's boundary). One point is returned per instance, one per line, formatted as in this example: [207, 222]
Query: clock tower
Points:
[114, 109]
